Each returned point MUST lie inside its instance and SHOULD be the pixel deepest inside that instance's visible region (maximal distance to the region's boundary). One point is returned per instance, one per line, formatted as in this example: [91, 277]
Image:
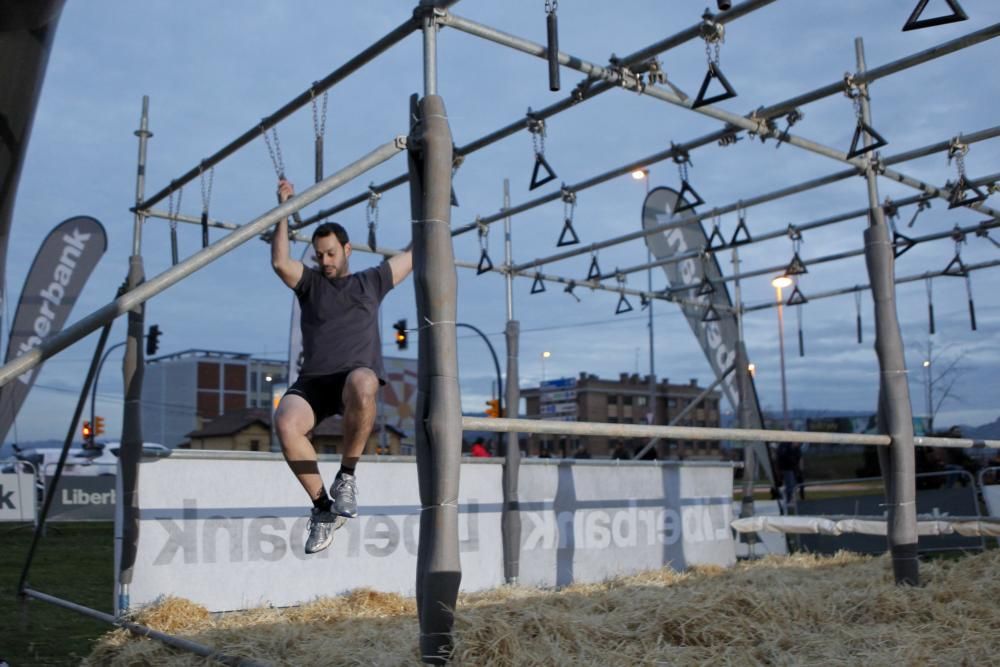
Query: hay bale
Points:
[793, 610]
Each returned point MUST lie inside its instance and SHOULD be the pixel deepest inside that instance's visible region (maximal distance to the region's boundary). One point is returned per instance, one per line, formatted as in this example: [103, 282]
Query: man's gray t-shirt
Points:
[340, 320]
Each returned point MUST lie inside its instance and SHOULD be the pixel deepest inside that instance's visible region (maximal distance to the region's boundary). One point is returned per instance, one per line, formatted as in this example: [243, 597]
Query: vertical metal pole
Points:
[132, 373]
[508, 251]
[896, 416]
[430, 54]
[510, 519]
[743, 414]
[781, 353]
[928, 374]
[650, 301]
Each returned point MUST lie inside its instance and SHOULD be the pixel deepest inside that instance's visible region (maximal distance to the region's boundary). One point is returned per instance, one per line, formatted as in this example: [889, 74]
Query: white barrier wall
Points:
[227, 531]
[17, 496]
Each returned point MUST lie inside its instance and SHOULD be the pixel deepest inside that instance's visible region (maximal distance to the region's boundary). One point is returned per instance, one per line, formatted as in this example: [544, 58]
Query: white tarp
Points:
[227, 532]
[815, 525]
[770, 543]
[17, 496]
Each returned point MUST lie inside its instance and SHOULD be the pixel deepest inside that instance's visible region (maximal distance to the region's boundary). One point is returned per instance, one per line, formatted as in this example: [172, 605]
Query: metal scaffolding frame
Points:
[431, 159]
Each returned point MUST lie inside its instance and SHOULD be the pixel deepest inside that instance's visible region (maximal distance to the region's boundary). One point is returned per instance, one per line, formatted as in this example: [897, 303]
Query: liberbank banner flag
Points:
[60, 270]
[717, 335]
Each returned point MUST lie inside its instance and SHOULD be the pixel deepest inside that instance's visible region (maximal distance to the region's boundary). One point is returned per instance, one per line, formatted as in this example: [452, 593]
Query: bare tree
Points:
[942, 369]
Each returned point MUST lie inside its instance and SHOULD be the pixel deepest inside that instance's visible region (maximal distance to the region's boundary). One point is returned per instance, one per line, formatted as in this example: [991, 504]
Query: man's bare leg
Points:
[359, 417]
[293, 420]
[360, 390]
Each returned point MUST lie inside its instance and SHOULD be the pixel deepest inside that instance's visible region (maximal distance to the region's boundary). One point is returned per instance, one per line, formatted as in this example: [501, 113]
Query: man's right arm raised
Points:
[288, 269]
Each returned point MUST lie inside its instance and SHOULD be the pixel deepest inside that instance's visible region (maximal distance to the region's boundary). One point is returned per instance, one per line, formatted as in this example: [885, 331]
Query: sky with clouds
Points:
[213, 70]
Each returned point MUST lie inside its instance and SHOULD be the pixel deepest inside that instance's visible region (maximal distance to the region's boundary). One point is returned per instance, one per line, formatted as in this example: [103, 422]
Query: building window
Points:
[255, 445]
[208, 404]
[640, 401]
[208, 375]
[236, 377]
[253, 381]
[612, 420]
[627, 400]
[672, 402]
[612, 400]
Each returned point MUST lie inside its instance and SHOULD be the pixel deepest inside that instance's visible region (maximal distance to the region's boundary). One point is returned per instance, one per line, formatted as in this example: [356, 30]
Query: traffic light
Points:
[400, 327]
[153, 340]
[88, 434]
[98, 426]
[493, 407]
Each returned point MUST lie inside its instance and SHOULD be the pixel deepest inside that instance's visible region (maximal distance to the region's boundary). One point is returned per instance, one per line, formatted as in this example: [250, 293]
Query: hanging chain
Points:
[274, 151]
[682, 158]
[569, 204]
[714, 35]
[857, 301]
[854, 91]
[483, 230]
[537, 128]
[957, 152]
[371, 210]
[206, 189]
[930, 289]
[551, 6]
[958, 236]
[172, 212]
[319, 119]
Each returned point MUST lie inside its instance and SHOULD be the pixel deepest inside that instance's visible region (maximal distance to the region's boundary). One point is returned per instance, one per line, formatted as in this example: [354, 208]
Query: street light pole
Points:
[778, 283]
[643, 174]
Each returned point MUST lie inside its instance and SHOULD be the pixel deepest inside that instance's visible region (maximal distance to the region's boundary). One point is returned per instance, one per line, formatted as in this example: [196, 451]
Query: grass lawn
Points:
[74, 561]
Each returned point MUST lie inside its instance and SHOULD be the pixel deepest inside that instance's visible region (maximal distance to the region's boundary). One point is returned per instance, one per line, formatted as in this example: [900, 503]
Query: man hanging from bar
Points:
[342, 363]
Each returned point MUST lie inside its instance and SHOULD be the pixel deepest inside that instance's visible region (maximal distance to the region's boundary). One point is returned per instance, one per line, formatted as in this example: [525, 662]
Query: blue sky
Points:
[213, 70]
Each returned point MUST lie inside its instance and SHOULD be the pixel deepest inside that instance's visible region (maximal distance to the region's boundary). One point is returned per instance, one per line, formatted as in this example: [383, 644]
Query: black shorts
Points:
[324, 393]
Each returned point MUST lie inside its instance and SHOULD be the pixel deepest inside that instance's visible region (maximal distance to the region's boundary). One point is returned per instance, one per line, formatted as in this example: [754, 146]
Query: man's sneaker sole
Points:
[337, 524]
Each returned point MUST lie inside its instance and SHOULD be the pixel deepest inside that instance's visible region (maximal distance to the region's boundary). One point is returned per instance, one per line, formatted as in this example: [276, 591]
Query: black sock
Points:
[323, 503]
[345, 469]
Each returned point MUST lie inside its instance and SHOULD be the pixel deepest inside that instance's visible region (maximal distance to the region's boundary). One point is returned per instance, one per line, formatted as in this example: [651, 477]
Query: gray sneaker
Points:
[321, 527]
[344, 492]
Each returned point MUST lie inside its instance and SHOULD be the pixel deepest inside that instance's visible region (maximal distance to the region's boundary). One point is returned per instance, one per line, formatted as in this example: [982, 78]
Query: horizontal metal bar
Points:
[858, 288]
[761, 129]
[145, 631]
[582, 92]
[701, 433]
[754, 124]
[154, 286]
[783, 233]
[970, 229]
[660, 156]
[393, 37]
[674, 432]
[981, 135]
[876, 73]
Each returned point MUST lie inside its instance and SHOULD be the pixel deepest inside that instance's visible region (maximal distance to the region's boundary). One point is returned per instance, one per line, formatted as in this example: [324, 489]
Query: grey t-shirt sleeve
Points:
[383, 279]
[305, 284]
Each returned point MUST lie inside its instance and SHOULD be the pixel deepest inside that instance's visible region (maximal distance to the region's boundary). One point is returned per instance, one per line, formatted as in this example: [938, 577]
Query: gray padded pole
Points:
[510, 518]
[439, 409]
[894, 411]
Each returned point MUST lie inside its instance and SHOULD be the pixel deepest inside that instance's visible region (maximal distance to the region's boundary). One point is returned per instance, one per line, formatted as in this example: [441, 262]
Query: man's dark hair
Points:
[328, 228]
